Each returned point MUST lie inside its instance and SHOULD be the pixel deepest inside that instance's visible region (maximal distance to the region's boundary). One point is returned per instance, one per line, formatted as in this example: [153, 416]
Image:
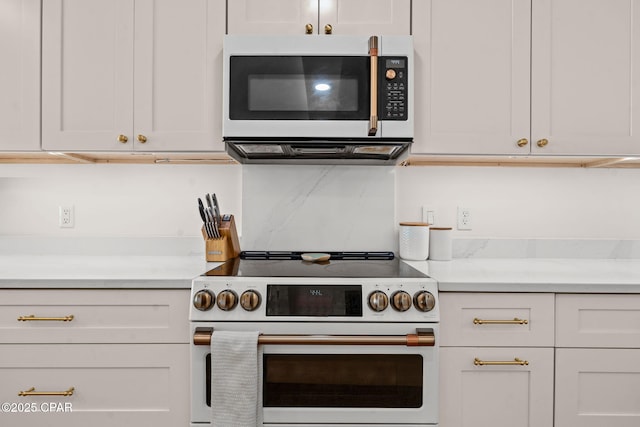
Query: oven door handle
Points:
[424, 337]
[373, 106]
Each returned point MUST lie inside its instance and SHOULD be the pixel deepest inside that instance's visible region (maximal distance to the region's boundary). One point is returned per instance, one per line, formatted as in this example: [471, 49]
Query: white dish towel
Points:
[236, 390]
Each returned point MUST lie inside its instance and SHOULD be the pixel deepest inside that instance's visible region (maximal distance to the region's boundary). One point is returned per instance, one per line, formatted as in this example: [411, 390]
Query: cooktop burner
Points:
[341, 264]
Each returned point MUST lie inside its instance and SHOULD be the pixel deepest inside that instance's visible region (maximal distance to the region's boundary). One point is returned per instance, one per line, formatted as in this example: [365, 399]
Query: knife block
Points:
[225, 247]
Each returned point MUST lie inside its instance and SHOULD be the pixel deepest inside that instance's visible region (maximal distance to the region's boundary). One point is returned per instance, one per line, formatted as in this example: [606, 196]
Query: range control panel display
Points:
[314, 300]
[392, 82]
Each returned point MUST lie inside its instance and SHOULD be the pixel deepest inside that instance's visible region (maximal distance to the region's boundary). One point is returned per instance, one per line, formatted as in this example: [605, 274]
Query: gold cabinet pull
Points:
[123, 139]
[516, 361]
[32, 392]
[542, 142]
[373, 109]
[142, 139]
[328, 29]
[522, 142]
[515, 321]
[31, 317]
[308, 29]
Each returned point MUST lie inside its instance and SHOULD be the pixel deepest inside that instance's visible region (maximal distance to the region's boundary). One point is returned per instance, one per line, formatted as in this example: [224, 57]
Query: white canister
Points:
[414, 241]
[440, 245]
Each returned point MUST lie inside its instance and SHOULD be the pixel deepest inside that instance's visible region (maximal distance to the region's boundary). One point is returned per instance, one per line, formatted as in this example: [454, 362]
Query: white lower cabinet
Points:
[539, 360]
[111, 385]
[487, 387]
[597, 387]
[597, 369]
[89, 357]
[496, 359]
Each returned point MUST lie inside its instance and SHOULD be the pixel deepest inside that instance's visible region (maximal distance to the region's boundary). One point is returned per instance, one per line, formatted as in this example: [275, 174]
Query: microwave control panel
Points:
[393, 88]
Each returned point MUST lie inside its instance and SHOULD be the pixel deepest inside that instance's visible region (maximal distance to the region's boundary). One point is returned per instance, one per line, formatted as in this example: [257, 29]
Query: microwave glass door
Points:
[299, 87]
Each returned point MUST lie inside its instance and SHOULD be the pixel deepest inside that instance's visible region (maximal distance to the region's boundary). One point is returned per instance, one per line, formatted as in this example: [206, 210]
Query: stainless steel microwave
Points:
[319, 100]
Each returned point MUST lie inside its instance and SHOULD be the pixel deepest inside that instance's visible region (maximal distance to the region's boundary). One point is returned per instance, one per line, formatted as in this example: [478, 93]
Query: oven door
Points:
[345, 384]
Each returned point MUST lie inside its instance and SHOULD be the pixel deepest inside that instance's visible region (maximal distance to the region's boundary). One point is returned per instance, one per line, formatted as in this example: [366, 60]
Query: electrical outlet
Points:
[464, 218]
[428, 215]
[65, 217]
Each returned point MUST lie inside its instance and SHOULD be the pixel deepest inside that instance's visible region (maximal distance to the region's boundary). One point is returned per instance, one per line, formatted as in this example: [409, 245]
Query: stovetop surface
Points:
[343, 264]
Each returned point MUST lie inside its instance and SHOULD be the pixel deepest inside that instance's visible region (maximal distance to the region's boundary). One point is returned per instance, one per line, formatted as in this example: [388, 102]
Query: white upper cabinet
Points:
[20, 75]
[585, 77]
[272, 16]
[472, 76]
[556, 77]
[121, 75]
[391, 17]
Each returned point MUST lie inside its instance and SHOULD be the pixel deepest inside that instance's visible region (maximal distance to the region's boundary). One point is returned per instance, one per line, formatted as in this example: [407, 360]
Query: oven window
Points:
[343, 380]
[299, 88]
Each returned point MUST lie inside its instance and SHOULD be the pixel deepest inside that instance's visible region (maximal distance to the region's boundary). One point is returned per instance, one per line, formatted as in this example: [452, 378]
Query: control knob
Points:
[401, 301]
[250, 300]
[227, 300]
[378, 301]
[390, 74]
[424, 301]
[203, 300]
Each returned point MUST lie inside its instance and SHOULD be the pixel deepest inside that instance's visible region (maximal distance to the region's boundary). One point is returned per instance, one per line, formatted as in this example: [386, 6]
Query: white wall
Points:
[113, 199]
[519, 202]
[160, 200]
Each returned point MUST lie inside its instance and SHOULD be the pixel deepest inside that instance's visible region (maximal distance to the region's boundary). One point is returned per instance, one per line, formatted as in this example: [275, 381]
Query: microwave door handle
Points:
[373, 116]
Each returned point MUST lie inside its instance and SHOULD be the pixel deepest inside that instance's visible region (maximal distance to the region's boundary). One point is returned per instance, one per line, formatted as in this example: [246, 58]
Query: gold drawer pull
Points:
[515, 321]
[515, 361]
[32, 392]
[31, 317]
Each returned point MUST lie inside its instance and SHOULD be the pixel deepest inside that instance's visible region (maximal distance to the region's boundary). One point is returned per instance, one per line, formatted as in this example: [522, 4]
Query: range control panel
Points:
[393, 86]
[291, 299]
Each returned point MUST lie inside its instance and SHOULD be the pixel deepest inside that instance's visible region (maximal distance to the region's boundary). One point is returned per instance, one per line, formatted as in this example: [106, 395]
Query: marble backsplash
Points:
[318, 208]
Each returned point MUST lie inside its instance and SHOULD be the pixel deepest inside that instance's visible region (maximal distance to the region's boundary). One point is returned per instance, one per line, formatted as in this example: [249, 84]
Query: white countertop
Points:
[459, 275]
[534, 275]
[73, 271]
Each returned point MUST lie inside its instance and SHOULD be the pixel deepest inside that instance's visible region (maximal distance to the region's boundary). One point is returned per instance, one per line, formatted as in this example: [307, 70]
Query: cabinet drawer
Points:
[94, 316]
[498, 394]
[114, 384]
[597, 387]
[500, 319]
[596, 320]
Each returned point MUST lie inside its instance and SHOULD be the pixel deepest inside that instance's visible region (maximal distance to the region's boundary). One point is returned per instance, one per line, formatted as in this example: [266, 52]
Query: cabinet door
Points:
[113, 385]
[585, 77]
[371, 17]
[87, 74]
[497, 395]
[472, 83]
[272, 16]
[597, 387]
[178, 75]
[20, 71]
